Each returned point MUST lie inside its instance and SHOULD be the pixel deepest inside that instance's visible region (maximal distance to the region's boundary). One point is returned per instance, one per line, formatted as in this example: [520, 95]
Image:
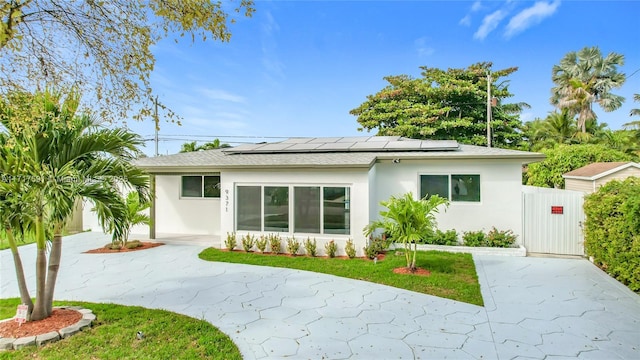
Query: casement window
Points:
[298, 209]
[200, 186]
[454, 187]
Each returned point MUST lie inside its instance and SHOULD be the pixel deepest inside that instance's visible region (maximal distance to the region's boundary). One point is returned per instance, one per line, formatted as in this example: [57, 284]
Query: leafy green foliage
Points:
[120, 227]
[231, 241]
[501, 238]
[375, 246]
[586, 77]
[408, 221]
[261, 243]
[275, 243]
[107, 48]
[248, 241]
[331, 248]
[453, 276]
[474, 238]
[450, 105]
[564, 158]
[293, 245]
[612, 230]
[193, 146]
[350, 249]
[311, 247]
[439, 237]
[113, 336]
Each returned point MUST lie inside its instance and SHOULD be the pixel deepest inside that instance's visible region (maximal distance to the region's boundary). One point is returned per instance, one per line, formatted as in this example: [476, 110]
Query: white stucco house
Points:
[331, 188]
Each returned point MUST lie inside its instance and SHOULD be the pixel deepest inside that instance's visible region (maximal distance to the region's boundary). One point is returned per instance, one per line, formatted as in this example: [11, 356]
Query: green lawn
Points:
[113, 336]
[453, 276]
[4, 243]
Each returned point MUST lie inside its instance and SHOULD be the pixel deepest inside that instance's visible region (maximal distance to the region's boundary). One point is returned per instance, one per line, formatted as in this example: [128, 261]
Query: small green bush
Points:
[503, 239]
[350, 249]
[311, 247]
[293, 245]
[449, 237]
[248, 241]
[261, 243]
[275, 242]
[612, 230]
[376, 246]
[133, 244]
[231, 242]
[474, 238]
[331, 248]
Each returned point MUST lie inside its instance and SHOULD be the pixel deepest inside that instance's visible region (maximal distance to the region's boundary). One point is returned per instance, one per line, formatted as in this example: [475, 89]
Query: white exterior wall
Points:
[356, 180]
[500, 192]
[176, 215]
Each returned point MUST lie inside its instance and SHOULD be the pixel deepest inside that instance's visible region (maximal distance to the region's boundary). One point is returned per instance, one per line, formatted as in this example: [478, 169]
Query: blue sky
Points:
[296, 68]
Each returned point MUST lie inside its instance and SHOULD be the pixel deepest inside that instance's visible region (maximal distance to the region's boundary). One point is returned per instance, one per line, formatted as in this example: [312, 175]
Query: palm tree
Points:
[56, 157]
[193, 146]
[134, 215]
[189, 147]
[408, 220]
[586, 77]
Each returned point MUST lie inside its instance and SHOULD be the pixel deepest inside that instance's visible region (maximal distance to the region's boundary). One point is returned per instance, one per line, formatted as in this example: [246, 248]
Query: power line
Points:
[633, 73]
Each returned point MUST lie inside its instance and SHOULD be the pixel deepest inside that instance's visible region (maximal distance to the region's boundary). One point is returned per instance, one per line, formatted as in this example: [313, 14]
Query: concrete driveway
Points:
[535, 307]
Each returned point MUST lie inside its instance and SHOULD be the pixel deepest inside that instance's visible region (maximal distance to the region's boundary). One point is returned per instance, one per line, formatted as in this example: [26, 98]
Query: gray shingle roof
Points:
[212, 160]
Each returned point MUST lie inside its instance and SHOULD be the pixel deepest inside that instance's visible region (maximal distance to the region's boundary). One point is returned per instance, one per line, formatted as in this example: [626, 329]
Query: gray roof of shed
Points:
[284, 157]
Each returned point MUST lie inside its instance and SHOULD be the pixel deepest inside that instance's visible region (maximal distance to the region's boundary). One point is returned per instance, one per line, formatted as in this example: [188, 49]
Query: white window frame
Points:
[182, 196]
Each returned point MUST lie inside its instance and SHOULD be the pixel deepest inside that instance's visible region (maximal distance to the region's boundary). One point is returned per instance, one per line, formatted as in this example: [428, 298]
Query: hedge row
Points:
[612, 230]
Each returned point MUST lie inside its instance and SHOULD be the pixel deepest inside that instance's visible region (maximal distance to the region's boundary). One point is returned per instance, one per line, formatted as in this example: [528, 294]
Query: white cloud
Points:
[530, 16]
[465, 21]
[489, 23]
[477, 5]
[422, 48]
[218, 94]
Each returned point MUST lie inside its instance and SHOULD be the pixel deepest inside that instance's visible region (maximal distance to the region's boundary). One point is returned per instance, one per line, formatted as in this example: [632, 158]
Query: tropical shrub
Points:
[311, 247]
[376, 245]
[261, 243]
[293, 245]
[612, 230]
[230, 242]
[503, 239]
[408, 220]
[331, 248]
[474, 238]
[275, 243]
[248, 241]
[439, 237]
[133, 214]
[350, 249]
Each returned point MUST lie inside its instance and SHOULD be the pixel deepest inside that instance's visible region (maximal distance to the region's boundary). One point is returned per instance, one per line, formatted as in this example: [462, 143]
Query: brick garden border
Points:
[39, 340]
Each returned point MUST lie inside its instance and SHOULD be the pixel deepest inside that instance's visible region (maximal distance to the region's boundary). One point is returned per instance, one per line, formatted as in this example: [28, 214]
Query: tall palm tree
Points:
[586, 77]
[62, 157]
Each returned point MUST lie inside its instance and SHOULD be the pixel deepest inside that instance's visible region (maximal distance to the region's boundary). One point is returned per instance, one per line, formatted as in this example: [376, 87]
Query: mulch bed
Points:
[60, 318]
[104, 250]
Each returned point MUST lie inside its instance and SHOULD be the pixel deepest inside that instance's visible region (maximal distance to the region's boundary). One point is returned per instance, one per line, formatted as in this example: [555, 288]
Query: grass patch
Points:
[113, 336]
[453, 276]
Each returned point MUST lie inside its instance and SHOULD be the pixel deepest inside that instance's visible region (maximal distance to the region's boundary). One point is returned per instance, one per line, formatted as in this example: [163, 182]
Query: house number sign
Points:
[21, 314]
[226, 200]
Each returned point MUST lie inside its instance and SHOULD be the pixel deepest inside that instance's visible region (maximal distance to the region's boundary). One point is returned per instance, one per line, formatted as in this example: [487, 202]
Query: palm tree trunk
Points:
[415, 253]
[52, 272]
[40, 309]
[17, 261]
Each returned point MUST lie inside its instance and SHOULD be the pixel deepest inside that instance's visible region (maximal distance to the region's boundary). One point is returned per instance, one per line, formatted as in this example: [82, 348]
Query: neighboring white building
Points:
[590, 178]
[331, 188]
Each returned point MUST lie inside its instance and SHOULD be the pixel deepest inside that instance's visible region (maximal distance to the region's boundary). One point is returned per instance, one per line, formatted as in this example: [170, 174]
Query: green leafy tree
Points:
[449, 104]
[409, 221]
[586, 77]
[47, 164]
[193, 146]
[120, 227]
[565, 158]
[107, 45]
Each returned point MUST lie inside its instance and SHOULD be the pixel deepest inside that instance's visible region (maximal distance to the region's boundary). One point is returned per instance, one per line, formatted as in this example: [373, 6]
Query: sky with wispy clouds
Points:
[297, 67]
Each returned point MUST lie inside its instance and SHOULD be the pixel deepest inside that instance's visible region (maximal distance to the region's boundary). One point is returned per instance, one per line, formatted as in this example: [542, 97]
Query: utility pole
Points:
[488, 109]
[155, 119]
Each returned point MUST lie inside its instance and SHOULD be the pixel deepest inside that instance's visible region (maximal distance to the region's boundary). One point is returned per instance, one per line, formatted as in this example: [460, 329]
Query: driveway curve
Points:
[535, 308]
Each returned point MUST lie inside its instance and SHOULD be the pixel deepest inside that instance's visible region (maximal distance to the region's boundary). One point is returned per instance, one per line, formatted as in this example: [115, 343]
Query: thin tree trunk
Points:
[52, 272]
[40, 309]
[17, 261]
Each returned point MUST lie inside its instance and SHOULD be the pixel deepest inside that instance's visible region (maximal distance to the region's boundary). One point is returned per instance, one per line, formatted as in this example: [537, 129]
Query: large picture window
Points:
[248, 209]
[454, 187]
[276, 208]
[200, 186]
[299, 209]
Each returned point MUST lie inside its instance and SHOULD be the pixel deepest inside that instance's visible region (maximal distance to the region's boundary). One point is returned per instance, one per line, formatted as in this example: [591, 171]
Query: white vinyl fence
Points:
[552, 221]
